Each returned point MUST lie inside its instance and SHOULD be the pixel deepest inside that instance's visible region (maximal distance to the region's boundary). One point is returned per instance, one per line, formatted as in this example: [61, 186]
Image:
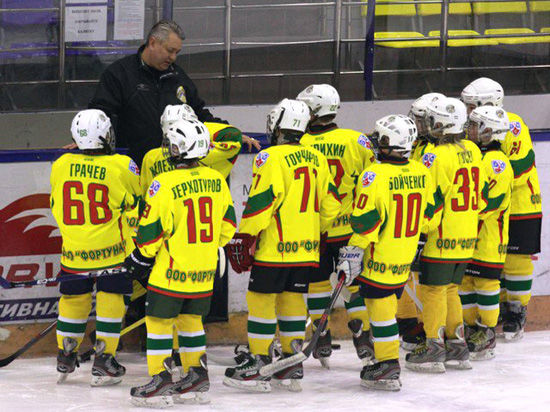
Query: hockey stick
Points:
[284, 363]
[19, 352]
[6, 284]
[413, 297]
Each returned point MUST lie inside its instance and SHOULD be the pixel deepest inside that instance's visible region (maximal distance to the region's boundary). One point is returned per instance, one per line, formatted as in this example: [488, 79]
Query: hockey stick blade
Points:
[284, 363]
[6, 284]
[19, 352]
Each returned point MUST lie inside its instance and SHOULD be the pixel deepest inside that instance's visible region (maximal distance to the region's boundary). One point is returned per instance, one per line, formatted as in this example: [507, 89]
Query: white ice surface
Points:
[518, 379]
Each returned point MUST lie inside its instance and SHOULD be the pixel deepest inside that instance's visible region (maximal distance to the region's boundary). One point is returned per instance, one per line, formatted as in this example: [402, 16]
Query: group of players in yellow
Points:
[431, 221]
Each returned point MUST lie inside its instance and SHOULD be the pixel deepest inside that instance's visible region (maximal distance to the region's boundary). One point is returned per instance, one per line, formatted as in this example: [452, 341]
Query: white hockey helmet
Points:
[482, 92]
[488, 123]
[418, 111]
[92, 130]
[186, 139]
[288, 115]
[174, 112]
[446, 116]
[396, 132]
[322, 99]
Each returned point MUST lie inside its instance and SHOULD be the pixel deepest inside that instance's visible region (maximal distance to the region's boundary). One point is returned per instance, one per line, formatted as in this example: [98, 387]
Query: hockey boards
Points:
[301, 356]
[23, 349]
[6, 284]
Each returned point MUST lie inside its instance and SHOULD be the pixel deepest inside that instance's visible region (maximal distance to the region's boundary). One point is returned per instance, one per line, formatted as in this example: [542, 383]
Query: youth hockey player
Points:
[348, 153]
[459, 178]
[292, 201]
[394, 198]
[188, 215]
[480, 287]
[525, 209]
[90, 191]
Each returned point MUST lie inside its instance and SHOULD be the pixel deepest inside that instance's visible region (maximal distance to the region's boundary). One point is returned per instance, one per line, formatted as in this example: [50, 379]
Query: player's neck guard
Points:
[494, 145]
[321, 128]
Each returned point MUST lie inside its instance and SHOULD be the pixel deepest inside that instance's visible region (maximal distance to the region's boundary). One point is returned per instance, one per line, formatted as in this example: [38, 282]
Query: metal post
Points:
[61, 38]
[369, 50]
[168, 9]
[337, 41]
[443, 42]
[226, 92]
[157, 10]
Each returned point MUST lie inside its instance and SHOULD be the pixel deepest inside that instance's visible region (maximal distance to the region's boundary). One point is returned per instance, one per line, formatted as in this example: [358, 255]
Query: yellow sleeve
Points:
[329, 199]
[519, 148]
[369, 213]
[156, 220]
[364, 151]
[130, 179]
[497, 187]
[229, 221]
[266, 193]
[432, 218]
[146, 175]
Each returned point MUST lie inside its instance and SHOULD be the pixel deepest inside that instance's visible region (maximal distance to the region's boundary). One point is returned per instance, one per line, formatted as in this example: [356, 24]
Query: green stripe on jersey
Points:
[469, 299]
[192, 341]
[366, 222]
[71, 327]
[230, 214]
[109, 327]
[522, 165]
[156, 344]
[292, 325]
[149, 232]
[259, 201]
[384, 331]
[261, 328]
[488, 300]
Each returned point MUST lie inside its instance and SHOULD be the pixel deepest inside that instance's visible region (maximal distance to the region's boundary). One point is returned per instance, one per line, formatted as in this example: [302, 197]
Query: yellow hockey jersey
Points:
[348, 153]
[526, 199]
[492, 238]
[188, 214]
[394, 201]
[292, 200]
[460, 184]
[420, 147]
[89, 194]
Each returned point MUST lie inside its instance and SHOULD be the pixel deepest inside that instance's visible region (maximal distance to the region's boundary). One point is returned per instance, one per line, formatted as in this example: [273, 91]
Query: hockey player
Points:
[525, 210]
[90, 191]
[459, 178]
[393, 200]
[480, 287]
[188, 215]
[292, 201]
[348, 153]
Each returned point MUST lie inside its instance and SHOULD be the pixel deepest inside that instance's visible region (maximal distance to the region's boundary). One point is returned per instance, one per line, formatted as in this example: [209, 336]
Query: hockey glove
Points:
[240, 252]
[350, 263]
[138, 266]
[415, 266]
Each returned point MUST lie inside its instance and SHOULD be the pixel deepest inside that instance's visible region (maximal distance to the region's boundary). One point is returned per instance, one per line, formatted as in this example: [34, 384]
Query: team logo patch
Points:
[498, 166]
[428, 159]
[261, 158]
[515, 128]
[364, 141]
[154, 188]
[368, 178]
[133, 168]
[180, 94]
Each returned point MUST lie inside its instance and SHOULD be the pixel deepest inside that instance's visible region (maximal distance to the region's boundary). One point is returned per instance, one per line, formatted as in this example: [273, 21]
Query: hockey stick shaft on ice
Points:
[284, 363]
[23, 349]
[6, 284]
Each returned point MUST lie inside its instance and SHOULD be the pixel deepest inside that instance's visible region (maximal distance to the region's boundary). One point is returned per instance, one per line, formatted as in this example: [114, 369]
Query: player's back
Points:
[89, 194]
[459, 178]
[154, 163]
[225, 143]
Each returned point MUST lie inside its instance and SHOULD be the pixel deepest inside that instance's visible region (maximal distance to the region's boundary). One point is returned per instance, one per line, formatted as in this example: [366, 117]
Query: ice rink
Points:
[517, 379]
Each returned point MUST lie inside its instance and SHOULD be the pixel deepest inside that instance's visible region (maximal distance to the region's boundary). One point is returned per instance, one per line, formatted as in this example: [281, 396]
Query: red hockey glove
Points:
[240, 252]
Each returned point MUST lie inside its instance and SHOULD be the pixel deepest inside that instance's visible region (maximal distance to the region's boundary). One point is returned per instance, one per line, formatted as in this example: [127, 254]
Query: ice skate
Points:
[457, 355]
[158, 392]
[247, 376]
[428, 357]
[67, 359]
[106, 370]
[193, 387]
[289, 378]
[482, 343]
[411, 333]
[323, 347]
[362, 340]
[382, 376]
[514, 321]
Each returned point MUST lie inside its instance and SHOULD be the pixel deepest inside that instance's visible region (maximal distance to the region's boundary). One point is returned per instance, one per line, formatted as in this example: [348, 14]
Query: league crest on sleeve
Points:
[364, 141]
[498, 166]
[515, 128]
[154, 188]
[368, 178]
[428, 159]
[133, 168]
[261, 158]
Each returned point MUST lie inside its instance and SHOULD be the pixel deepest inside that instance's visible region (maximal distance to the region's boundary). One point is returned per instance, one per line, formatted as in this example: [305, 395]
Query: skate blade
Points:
[392, 385]
[156, 402]
[513, 336]
[291, 385]
[426, 367]
[486, 354]
[458, 364]
[222, 360]
[324, 362]
[62, 377]
[192, 398]
[250, 386]
[105, 380]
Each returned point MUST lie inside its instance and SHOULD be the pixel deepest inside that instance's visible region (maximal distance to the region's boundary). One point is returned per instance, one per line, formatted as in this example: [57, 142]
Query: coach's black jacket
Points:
[134, 96]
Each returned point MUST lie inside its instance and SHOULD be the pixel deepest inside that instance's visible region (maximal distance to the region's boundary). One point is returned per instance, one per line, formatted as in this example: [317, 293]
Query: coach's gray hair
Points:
[163, 28]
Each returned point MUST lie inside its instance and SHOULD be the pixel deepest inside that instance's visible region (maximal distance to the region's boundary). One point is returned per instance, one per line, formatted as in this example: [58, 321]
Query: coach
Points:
[134, 91]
